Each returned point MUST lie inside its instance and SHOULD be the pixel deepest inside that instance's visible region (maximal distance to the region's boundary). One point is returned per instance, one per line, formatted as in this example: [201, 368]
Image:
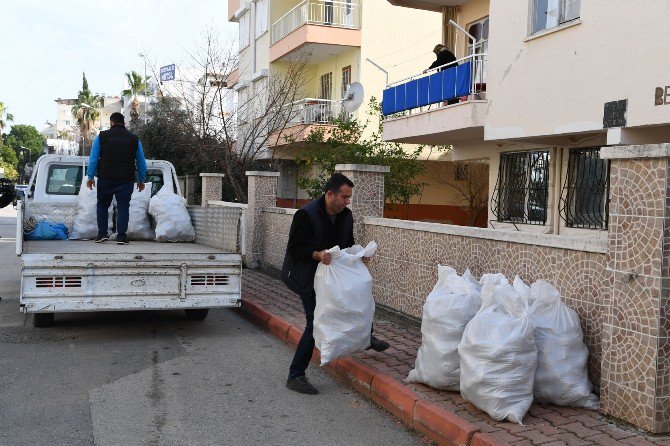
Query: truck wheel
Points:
[43, 319]
[196, 314]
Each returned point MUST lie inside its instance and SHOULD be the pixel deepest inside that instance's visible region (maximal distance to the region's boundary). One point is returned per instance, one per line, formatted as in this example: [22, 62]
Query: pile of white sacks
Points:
[171, 218]
[502, 345]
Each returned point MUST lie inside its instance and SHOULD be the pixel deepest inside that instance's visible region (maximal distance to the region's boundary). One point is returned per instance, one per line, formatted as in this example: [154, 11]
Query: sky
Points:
[47, 44]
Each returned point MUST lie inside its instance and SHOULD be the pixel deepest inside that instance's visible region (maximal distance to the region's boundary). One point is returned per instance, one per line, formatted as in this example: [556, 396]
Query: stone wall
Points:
[405, 267]
[275, 224]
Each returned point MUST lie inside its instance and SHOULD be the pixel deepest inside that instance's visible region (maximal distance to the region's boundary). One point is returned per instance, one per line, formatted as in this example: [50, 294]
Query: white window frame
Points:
[262, 19]
[561, 17]
[245, 24]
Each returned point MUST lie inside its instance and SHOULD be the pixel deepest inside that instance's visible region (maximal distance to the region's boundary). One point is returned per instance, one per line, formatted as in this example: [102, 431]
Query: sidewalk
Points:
[444, 417]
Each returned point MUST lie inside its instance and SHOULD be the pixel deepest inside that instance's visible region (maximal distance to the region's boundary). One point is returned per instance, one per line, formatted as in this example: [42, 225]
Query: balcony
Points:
[438, 107]
[427, 5]
[304, 116]
[321, 28]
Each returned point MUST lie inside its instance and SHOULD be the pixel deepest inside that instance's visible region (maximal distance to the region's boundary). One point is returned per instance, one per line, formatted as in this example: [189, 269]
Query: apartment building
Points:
[569, 102]
[66, 123]
[365, 41]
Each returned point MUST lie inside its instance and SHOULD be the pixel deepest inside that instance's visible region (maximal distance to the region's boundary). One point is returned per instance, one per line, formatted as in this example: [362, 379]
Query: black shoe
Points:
[122, 242]
[377, 344]
[101, 239]
[301, 385]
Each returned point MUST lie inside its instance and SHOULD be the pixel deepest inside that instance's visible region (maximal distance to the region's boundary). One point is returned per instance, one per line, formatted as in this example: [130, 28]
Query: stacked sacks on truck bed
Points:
[173, 222]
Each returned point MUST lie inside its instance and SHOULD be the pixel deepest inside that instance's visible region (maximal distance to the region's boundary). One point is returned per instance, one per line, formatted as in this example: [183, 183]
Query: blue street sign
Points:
[167, 73]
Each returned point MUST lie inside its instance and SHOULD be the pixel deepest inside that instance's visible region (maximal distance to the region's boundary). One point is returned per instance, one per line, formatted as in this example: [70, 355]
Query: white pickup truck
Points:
[80, 275]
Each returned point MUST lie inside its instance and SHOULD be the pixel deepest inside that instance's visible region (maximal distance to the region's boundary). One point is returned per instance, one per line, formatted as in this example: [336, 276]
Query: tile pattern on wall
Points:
[635, 370]
[405, 271]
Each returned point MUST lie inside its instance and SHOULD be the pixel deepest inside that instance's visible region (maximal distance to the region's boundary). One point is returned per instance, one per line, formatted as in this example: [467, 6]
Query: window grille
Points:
[522, 190]
[585, 197]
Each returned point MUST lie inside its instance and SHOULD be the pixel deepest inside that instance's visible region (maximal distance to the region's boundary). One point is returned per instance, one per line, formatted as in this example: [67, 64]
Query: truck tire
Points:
[43, 319]
[196, 314]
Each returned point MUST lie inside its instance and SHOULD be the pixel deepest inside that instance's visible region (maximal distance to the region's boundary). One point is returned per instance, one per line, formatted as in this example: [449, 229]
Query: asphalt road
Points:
[155, 378]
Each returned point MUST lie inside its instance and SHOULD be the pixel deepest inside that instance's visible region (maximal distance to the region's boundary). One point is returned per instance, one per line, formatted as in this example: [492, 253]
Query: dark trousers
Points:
[303, 353]
[122, 190]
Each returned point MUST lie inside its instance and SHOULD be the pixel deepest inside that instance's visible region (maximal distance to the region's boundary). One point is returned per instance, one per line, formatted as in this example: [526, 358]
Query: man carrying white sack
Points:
[114, 155]
[317, 226]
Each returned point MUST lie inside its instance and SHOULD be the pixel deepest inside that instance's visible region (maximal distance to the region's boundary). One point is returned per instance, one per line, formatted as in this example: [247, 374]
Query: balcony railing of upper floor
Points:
[340, 14]
[459, 81]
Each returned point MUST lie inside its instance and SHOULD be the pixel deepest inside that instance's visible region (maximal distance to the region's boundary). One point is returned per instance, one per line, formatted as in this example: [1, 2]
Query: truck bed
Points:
[110, 247]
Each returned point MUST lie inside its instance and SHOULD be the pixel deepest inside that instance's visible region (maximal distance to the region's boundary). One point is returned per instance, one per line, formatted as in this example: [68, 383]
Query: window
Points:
[522, 189]
[548, 14]
[64, 179]
[155, 177]
[261, 17]
[244, 30]
[585, 198]
[326, 86]
[480, 31]
[67, 122]
[346, 79]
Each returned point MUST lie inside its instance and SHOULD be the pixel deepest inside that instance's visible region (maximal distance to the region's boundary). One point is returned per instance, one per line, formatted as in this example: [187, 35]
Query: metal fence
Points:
[340, 14]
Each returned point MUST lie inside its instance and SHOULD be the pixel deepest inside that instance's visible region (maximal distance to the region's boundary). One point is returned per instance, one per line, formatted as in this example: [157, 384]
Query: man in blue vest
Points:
[115, 155]
[317, 226]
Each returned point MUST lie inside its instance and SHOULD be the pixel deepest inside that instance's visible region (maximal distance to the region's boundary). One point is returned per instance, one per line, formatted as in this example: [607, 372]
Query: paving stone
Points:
[270, 303]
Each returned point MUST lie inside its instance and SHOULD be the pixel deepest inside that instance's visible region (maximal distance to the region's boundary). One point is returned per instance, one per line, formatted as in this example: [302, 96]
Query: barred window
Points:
[585, 197]
[522, 190]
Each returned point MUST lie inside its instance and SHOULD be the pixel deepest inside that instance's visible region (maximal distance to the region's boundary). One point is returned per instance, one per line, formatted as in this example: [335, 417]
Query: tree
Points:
[345, 144]
[136, 85]
[5, 117]
[200, 108]
[470, 180]
[22, 137]
[86, 110]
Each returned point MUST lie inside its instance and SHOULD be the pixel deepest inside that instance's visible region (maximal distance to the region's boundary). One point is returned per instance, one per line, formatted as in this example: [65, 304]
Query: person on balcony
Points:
[444, 59]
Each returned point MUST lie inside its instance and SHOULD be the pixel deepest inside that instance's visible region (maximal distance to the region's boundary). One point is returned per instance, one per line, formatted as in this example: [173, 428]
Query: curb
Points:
[439, 425]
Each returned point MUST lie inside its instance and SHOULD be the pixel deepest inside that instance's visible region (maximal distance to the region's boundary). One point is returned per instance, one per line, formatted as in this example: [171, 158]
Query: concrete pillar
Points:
[368, 196]
[212, 187]
[635, 384]
[262, 193]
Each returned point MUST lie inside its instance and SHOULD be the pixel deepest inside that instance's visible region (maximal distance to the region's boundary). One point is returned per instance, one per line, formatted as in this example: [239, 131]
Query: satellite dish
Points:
[353, 98]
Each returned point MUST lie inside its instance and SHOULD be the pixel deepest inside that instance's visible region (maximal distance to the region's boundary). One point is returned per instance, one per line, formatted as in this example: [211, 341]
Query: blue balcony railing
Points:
[436, 86]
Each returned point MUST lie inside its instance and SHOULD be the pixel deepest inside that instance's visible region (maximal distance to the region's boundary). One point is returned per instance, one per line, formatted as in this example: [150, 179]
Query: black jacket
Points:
[118, 148]
[443, 57]
[311, 231]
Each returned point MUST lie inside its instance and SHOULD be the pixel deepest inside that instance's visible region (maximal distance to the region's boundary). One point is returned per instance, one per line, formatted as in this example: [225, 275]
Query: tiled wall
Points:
[405, 270]
[636, 360]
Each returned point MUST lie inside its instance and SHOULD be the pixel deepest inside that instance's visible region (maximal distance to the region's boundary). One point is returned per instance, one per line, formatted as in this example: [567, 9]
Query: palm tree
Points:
[8, 117]
[136, 85]
[86, 110]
